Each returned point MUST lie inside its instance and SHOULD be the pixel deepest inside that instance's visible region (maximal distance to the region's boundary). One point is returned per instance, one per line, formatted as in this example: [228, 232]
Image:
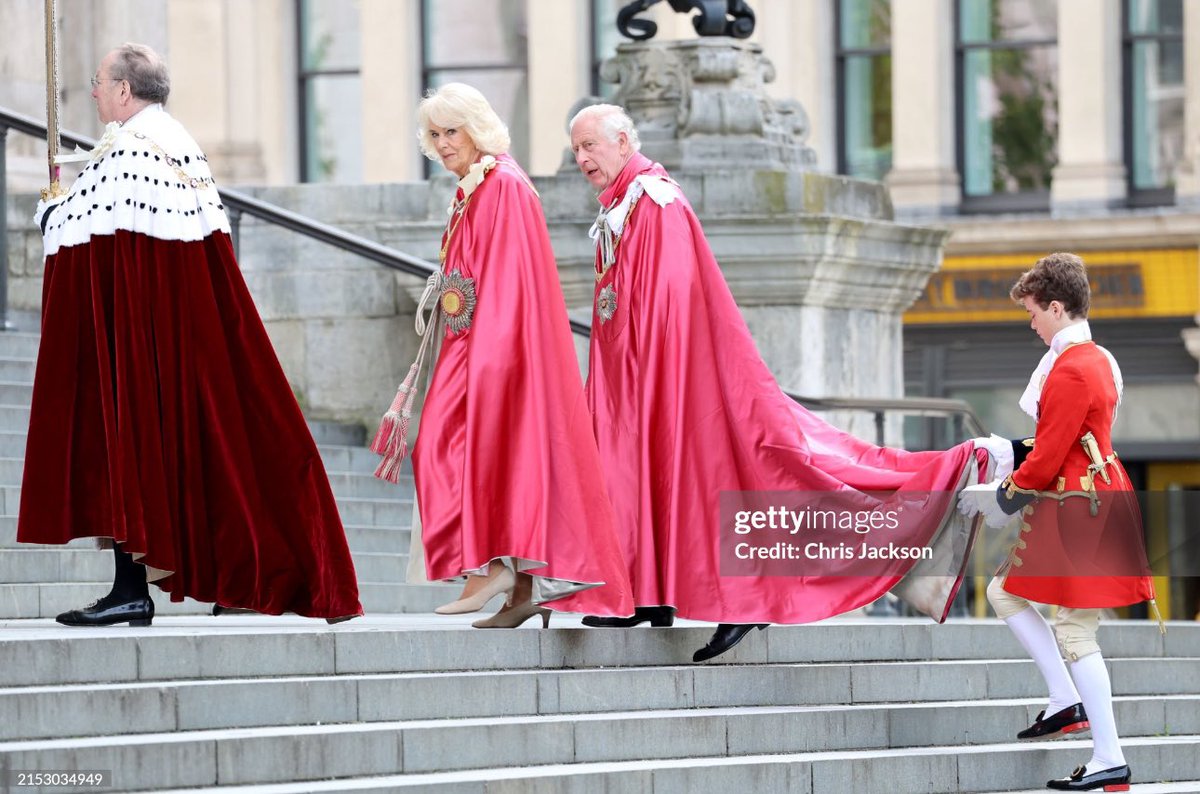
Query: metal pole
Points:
[3, 228]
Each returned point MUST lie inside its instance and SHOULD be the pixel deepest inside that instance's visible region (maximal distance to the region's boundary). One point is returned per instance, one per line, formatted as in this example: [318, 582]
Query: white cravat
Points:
[610, 222]
[1072, 334]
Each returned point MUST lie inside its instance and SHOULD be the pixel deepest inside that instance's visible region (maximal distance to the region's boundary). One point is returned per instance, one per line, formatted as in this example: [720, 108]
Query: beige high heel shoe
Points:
[501, 582]
[511, 617]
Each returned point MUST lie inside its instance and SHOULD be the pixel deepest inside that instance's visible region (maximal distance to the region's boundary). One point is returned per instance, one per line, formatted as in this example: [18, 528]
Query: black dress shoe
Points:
[1070, 720]
[1115, 779]
[109, 610]
[725, 637]
[657, 616]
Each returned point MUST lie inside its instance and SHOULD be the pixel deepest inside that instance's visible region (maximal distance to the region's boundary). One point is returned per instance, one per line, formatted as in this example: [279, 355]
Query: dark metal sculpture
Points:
[716, 18]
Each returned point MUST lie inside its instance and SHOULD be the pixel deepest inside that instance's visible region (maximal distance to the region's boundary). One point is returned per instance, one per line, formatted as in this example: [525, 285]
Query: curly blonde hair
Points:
[460, 106]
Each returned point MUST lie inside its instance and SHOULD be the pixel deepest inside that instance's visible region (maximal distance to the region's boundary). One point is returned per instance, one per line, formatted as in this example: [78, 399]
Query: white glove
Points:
[44, 207]
[981, 498]
[1001, 451]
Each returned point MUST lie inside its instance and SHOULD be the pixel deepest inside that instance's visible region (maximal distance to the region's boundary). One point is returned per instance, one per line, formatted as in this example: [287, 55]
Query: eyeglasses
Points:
[96, 81]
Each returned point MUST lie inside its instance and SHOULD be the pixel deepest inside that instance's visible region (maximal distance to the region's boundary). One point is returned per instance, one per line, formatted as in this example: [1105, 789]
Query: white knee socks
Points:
[1036, 637]
[1091, 676]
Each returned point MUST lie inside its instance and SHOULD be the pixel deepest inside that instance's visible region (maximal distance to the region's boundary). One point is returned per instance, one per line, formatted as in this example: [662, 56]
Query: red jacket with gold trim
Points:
[1076, 550]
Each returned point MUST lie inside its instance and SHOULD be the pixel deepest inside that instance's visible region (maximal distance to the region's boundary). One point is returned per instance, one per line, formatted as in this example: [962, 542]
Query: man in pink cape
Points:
[692, 428]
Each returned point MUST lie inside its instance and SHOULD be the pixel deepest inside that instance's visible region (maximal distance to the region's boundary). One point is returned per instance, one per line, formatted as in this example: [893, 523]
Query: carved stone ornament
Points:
[703, 103]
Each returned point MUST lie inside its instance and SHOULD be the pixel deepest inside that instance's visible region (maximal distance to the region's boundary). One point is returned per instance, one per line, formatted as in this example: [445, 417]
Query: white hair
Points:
[460, 106]
[613, 121]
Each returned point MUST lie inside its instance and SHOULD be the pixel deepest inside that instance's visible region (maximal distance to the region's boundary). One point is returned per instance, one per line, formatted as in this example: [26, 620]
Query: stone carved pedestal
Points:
[702, 103]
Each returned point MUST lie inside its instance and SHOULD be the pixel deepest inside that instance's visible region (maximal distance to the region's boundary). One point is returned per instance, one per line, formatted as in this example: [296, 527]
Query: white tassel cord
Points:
[391, 440]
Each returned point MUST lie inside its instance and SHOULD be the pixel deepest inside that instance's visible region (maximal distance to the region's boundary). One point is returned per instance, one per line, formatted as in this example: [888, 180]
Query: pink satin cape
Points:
[505, 461]
[685, 408]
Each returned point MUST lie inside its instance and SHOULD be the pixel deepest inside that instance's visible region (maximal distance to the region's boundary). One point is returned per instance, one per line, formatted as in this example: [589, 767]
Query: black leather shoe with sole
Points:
[655, 616]
[1114, 779]
[1070, 720]
[725, 637]
[109, 611]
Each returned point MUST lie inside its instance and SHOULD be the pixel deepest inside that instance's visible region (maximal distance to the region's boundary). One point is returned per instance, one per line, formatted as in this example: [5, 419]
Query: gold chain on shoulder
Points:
[195, 182]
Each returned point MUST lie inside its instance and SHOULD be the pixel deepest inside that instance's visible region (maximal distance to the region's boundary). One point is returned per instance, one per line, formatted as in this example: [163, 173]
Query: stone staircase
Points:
[40, 582]
[408, 703]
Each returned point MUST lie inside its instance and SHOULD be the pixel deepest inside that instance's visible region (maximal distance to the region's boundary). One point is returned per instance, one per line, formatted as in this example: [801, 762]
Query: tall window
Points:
[1007, 81]
[1154, 98]
[864, 87]
[330, 91]
[605, 38]
[481, 43]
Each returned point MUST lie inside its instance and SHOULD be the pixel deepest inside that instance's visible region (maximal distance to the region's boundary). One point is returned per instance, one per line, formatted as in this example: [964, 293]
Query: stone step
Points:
[359, 460]
[12, 444]
[10, 471]
[16, 369]
[397, 598]
[375, 512]
[15, 344]
[934, 770]
[379, 567]
[337, 433]
[14, 418]
[367, 486]
[33, 600]
[383, 540]
[16, 393]
[880, 715]
[186, 648]
[274, 755]
[35, 564]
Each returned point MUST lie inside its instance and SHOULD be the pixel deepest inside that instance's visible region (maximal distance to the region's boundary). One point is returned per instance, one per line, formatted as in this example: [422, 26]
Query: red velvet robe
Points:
[1065, 555]
[161, 417]
[505, 461]
[685, 409]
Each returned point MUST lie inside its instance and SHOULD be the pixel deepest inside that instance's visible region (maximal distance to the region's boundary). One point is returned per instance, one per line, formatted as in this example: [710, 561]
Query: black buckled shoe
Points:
[1114, 779]
[1072, 719]
[656, 616]
[725, 637]
[109, 611]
